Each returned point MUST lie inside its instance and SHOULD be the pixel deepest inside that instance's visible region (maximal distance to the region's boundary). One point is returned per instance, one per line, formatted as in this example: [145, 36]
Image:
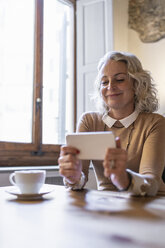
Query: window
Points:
[36, 79]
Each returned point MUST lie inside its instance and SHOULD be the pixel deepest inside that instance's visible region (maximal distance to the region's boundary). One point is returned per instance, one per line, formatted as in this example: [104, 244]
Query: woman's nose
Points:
[110, 85]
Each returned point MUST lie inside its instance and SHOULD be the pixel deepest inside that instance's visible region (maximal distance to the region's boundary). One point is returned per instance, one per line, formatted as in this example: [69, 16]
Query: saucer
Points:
[15, 191]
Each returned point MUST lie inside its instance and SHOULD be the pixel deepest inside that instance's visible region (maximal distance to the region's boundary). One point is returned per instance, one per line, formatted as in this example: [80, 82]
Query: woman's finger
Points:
[69, 174]
[115, 154]
[65, 150]
[69, 165]
[67, 158]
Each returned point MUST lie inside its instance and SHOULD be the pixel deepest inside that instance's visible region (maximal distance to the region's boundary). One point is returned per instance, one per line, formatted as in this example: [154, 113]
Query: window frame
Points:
[36, 153]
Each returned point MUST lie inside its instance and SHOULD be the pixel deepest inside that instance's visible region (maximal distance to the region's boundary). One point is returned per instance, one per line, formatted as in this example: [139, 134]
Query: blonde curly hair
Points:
[144, 88]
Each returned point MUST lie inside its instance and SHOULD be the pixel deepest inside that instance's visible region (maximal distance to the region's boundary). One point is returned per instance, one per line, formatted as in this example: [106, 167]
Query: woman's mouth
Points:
[114, 95]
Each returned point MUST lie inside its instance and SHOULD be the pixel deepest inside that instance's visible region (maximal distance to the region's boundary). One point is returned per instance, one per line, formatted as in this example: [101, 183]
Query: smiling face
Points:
[117, 89]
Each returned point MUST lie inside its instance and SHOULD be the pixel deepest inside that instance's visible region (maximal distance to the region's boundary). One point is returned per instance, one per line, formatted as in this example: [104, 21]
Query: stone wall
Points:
[147, 17]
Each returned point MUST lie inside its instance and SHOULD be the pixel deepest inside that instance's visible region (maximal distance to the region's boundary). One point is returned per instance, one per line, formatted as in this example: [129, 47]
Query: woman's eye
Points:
[120, 79]
[104, 82]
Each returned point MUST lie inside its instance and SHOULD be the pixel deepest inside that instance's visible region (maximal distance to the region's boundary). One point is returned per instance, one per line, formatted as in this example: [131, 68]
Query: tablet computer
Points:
[92, 145]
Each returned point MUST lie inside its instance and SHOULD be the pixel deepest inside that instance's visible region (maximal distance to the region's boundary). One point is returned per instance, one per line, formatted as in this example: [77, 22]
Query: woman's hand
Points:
[70, 165]
[114, 164]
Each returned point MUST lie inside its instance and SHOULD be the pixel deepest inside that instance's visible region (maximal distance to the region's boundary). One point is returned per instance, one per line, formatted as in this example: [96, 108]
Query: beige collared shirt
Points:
[126, 122]
[144, 132]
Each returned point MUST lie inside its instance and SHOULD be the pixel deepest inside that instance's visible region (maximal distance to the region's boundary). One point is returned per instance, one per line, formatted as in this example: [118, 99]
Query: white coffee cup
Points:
[28, 181]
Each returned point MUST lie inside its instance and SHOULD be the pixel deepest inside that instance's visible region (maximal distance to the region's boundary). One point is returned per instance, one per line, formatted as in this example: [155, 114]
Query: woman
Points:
[127, 98]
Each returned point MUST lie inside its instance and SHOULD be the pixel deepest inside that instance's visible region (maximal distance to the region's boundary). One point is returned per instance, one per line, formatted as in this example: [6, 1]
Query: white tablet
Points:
[92, 145]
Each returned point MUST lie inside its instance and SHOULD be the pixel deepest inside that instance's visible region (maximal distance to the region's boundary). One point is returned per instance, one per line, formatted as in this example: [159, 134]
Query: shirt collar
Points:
[126, 122]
